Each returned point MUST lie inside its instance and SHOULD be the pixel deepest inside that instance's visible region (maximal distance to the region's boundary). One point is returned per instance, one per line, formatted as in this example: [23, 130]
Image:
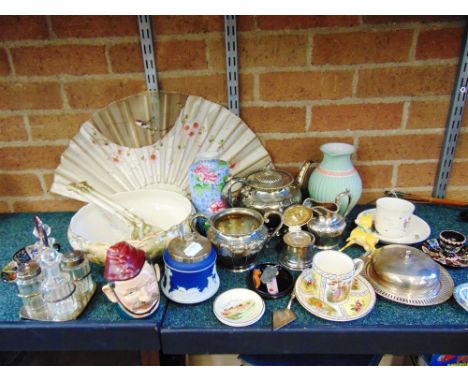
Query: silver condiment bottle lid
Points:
[72, 259]
[27, 271]
[191, 248]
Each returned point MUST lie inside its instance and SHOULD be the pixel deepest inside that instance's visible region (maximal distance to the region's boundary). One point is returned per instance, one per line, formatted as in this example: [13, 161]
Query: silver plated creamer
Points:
[238, 234]
[327, 224]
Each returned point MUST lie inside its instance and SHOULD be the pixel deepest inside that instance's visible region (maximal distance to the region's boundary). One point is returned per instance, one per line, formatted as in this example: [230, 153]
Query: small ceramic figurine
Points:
[133, 282]
[362, 235]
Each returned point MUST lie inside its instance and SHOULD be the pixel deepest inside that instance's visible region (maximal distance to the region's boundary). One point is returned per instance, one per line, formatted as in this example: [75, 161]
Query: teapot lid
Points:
[191, 248]
[270, 179]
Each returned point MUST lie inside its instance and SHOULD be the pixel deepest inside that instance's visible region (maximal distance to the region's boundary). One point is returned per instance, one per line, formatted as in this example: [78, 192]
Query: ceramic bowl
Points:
[94, 230]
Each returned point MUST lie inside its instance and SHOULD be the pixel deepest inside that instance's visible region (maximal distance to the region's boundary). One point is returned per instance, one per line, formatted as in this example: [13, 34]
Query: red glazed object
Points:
[123, 262]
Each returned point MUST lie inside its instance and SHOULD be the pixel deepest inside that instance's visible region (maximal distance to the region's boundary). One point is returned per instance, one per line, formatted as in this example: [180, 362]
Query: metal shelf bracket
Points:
[232, 72]
[452, 129]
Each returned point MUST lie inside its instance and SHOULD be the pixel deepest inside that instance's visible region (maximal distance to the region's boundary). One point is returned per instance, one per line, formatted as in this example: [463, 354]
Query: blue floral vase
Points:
[207, 177]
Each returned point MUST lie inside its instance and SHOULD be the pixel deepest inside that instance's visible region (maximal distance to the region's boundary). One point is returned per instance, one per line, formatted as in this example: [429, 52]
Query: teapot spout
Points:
[302, 178]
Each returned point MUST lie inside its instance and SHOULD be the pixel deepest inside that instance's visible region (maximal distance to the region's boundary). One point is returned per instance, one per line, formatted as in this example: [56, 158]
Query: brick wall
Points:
[382, 83]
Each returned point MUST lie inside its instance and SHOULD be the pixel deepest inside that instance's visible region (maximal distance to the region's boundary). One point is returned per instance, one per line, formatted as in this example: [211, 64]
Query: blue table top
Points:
[386, 317]
[390, 327]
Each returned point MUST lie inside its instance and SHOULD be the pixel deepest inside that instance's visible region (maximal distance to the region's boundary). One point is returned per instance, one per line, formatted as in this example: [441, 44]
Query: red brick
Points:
[462, 146]
[439, 43]
[187, 24]
[375, 176]
[25, 158]
[23, 28]
[4, 64]
[12, 129]
[47, 205]
[30, 95]
[170, 55]
[212, 87]
[369, 197]
[300, 149]
[19, 185]
[300, 22]
[56, 126]
[274, 119]
[95, 26]
[60, 59]
[362, 47]
[409, 19]
[457, 194]
[99, 93]
[357, 117]
[397, 147]
[414, 175]
[245, 23]
[428, 114]
[406, 81]
[216, 53]
[4, 208]
[279, 50]
[306, 85]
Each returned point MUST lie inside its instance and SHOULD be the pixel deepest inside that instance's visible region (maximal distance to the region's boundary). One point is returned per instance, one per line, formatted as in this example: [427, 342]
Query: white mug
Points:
[334, 273]
[393, 216]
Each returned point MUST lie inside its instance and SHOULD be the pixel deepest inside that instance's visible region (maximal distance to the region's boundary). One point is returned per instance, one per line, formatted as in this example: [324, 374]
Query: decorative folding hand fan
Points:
[130, 145]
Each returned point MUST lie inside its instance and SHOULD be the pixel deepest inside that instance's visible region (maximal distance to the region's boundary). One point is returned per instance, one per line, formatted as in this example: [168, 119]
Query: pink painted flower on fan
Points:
[191, 130]
[205, 174]
[217, 206]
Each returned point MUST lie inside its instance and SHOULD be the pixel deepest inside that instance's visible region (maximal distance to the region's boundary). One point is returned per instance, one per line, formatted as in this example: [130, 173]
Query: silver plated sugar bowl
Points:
[267, 189]
[238, 234]
[406, 275]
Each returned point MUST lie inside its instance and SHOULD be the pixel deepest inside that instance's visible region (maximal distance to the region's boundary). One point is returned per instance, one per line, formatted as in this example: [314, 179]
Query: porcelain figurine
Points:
[363, 235]
[133, 282]
[335, 174]
[207, 178]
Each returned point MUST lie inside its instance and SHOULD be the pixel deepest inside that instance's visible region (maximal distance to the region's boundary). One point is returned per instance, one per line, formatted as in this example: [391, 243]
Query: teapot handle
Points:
[266, 217]
[193, 221]
[228, 189]
[338, 198]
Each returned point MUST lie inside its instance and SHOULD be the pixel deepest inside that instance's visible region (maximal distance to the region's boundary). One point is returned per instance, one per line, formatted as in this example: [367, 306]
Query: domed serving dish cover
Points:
[149, 140]
[406, 267]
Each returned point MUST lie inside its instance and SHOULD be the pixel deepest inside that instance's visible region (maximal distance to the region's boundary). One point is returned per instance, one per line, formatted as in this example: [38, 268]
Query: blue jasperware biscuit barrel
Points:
[189, 270]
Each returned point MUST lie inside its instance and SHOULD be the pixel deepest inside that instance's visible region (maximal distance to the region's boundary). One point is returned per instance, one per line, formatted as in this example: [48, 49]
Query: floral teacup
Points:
[333, 273]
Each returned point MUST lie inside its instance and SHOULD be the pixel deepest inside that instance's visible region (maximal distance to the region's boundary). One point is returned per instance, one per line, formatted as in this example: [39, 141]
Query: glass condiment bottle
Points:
[77, 266]
[28, 280]
[58, 289]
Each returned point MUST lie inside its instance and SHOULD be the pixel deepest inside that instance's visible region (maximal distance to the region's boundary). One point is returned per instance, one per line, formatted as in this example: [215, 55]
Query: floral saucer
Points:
[360, 302]
[418, 231]
[431, 248]
[461, 295]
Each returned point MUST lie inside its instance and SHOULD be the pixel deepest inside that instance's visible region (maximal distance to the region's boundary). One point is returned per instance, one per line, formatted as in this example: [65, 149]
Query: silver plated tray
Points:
[439, 295]
[43, 316]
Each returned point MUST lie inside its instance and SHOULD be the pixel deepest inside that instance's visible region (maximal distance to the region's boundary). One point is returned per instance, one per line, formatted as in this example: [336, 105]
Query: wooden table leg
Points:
[149, 358]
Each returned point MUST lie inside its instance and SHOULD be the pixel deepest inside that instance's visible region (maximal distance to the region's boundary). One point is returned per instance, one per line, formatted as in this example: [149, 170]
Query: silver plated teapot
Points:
[268, 189]
[327, 224]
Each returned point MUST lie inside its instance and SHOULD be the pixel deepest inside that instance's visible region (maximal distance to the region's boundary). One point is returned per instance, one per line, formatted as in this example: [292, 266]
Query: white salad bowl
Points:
[93, 230]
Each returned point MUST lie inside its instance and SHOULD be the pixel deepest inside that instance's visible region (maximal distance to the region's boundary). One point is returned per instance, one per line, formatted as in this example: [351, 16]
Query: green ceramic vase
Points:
[335, 174]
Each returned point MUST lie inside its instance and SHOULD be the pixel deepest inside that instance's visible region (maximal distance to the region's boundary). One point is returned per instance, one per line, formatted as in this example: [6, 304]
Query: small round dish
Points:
[460, 293]
[418, 231]
[284, 281]
[238, 307]
[431, 248]
[360, 302]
